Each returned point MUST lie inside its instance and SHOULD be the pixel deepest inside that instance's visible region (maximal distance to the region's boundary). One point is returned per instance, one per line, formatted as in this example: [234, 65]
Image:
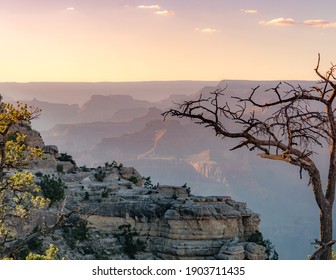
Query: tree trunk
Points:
[326, 232]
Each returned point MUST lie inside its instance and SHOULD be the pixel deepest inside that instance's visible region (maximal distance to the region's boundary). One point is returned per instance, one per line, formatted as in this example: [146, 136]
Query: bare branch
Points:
[323, 247]
[285, 125]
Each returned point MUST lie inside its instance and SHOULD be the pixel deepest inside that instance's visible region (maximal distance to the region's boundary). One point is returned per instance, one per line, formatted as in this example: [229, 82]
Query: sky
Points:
[131, 40]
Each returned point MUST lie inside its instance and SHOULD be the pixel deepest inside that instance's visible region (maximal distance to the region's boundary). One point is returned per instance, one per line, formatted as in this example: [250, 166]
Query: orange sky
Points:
[103, 40]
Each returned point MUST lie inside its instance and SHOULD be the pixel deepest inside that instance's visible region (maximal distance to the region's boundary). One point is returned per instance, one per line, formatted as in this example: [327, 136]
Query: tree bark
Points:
[326, 232]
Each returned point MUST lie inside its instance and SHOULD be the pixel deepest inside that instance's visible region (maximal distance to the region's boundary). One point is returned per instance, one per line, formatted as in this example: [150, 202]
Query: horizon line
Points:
[150, 81]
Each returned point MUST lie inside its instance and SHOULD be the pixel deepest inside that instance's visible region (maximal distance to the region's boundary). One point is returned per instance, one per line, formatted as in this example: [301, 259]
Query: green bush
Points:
[39, 174]
[99, 175]
[66, 157]
[270, 248]
[52, 188]
[105, 193]
[59, 168]
[50, 254]
[80, 231]
[86, 196]
[33, 245]
[84, 168]
[134, 180]
[148, 182]
[75, 234]
[12, 136]
[113, 164]
[130, 245]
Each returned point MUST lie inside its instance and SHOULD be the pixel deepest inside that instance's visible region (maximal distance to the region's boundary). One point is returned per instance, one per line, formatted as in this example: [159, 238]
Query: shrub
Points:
[12, 136]
[76, 233]
[80, 231]
[59, 168]
[50, 254]
[188, 191]
[15, 136]
[52, 188]
[134, 180]
[66, 157]
[39, 174]
[105, 193]
[270, 248]
[26, 125]
[130, 245]
[113, 164]
[100, 175]
[33, 245]
[84, 168]
[86, 196]
[148, 182]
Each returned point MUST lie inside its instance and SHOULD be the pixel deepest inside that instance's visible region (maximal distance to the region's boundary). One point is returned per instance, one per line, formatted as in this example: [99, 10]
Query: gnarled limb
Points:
[293, 121]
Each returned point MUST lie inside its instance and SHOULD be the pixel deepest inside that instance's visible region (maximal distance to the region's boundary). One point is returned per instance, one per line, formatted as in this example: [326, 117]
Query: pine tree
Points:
[19, 195]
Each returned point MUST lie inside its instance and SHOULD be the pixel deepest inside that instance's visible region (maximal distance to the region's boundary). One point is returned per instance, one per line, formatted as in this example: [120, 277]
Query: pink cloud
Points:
[279, 22]
[165, 13]
[316, 22]
[149, 7]
[320, 23]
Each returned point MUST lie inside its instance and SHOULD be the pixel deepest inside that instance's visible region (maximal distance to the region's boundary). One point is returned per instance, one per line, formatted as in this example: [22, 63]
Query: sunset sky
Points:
[130, 40]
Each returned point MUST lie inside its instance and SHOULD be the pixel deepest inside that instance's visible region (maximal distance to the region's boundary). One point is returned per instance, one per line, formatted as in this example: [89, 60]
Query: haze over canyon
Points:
[102, 122]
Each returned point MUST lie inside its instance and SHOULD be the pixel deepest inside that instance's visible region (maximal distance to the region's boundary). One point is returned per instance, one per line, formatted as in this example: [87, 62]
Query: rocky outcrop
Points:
[34, 138]
[51, 149]
[166, 222]
[169, 221]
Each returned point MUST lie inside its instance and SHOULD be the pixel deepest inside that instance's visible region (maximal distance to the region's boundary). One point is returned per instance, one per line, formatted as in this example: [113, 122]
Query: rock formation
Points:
[123, 219]
[169, 222]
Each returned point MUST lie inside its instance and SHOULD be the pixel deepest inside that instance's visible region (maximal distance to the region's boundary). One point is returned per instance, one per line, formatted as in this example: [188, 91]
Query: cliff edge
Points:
[119, 216]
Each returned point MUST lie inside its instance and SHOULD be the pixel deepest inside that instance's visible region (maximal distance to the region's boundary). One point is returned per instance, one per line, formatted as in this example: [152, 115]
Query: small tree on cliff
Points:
[286, 127]
[18, 193]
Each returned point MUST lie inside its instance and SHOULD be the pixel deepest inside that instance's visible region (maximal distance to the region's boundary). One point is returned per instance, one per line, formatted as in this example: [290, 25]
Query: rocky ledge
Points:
[164, 223]
[124, 219]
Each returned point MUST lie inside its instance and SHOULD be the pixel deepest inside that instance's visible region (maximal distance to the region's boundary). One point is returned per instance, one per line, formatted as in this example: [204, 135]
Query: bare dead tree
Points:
[287, 127]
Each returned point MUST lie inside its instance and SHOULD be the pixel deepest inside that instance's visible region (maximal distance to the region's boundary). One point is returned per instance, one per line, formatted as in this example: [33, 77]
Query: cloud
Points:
[247, 11]
[157, 7]
[289, 21]
[165, 13]
[320, 23]
[207, 30]
[149, 7]
[279, 22]
[70, 9]
[316, 22]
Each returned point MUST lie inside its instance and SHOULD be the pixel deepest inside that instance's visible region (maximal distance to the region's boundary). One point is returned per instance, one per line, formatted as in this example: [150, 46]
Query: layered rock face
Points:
[171, 222]
[168, 221]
